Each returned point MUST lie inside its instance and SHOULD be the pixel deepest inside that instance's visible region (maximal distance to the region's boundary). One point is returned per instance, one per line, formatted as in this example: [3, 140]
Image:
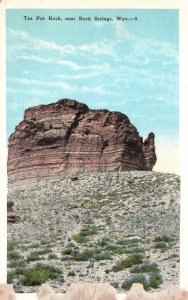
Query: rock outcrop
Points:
[11, 218]
[69, 137]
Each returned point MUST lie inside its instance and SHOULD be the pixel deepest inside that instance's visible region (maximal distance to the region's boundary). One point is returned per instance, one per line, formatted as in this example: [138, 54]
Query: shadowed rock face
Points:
[69, 137]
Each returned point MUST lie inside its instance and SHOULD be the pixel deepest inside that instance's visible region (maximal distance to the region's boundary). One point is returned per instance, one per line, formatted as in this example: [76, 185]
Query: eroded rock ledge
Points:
[68, 137]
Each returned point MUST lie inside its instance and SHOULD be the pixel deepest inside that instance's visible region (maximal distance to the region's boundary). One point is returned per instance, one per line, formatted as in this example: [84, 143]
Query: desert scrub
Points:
[37, 254]
[84, 233]
[161, 245]
[134, 250]
[126, 285]
[164, 238]
[10, 276]
[130, 261]
[11, 246]
[34, 245]
[127, 241]
[13, 255]
[16, 263]
[155, 280]
[33, 257]
[145, 268]
[94, 254]
[115, 284]
[71, 273]
[84, 255]
[39, 274]
[121, 250]
[99, 197]
[52, 256]
[103, 242]
[102, 256]
[15, 274]
[67, 251]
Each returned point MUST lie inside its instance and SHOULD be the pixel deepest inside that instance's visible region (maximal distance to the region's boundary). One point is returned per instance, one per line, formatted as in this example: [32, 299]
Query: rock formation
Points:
[11, 218]
[69, 137]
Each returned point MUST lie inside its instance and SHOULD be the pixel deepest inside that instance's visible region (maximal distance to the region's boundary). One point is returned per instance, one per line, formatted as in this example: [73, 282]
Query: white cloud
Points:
[38, 92]
[38, 44]
[36, 58]
[77, 76]
[145, 50]
[104, 68]
[69, 64]
[105, 48]
[102, 90]
[39, 82]
[89, 71]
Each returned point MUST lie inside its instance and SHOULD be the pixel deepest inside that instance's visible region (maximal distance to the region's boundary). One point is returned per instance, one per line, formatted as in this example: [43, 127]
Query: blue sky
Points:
[129, 66]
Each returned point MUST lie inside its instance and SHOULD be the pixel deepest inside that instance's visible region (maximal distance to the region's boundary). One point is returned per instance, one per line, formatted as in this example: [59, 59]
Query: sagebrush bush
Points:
[145, 268]
[84, 233]
[126, 285]
[39, 274]
[130, 261]
[164, 238]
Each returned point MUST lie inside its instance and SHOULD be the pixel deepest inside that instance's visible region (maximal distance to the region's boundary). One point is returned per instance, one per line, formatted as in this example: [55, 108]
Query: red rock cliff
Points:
[67, 136]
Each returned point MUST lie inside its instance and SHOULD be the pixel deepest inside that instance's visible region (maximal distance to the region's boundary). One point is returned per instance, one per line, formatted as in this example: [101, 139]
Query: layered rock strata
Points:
[69, 137]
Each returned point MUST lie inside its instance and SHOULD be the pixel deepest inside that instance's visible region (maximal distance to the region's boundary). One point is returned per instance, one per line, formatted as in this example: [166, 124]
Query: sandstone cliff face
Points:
[68, 137]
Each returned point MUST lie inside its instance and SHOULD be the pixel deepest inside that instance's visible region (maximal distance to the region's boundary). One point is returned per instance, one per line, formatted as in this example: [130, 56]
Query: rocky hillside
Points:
[69, 137]
[116, 227]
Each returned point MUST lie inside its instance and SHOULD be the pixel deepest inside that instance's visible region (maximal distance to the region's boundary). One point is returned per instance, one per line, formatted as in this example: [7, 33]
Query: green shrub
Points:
[10, 277]
[20, 271]
[39, 274]
[33, 257]
[84, 233]
[126, 285]
[71, 273]
[164, 238]
[52, 256]
[102, 256]
[79, 238]
[13, 255]
[161, 245]
[115, 284]
[103, 242]
[11, 246]
[37, 254]
[95, 254]
[67, 251]
[84, 255]
[12, 274]
[155, 280]
[128, 241]
[16, 263]
[145, 268]
[131, 260]
[117, 250]
[134, 250]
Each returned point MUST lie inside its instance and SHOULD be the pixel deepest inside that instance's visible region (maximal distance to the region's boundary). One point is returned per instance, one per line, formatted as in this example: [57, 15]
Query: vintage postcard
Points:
[92, 133]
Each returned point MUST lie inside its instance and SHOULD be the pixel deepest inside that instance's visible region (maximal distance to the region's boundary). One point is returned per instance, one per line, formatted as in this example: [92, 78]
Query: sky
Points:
[129, 66]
